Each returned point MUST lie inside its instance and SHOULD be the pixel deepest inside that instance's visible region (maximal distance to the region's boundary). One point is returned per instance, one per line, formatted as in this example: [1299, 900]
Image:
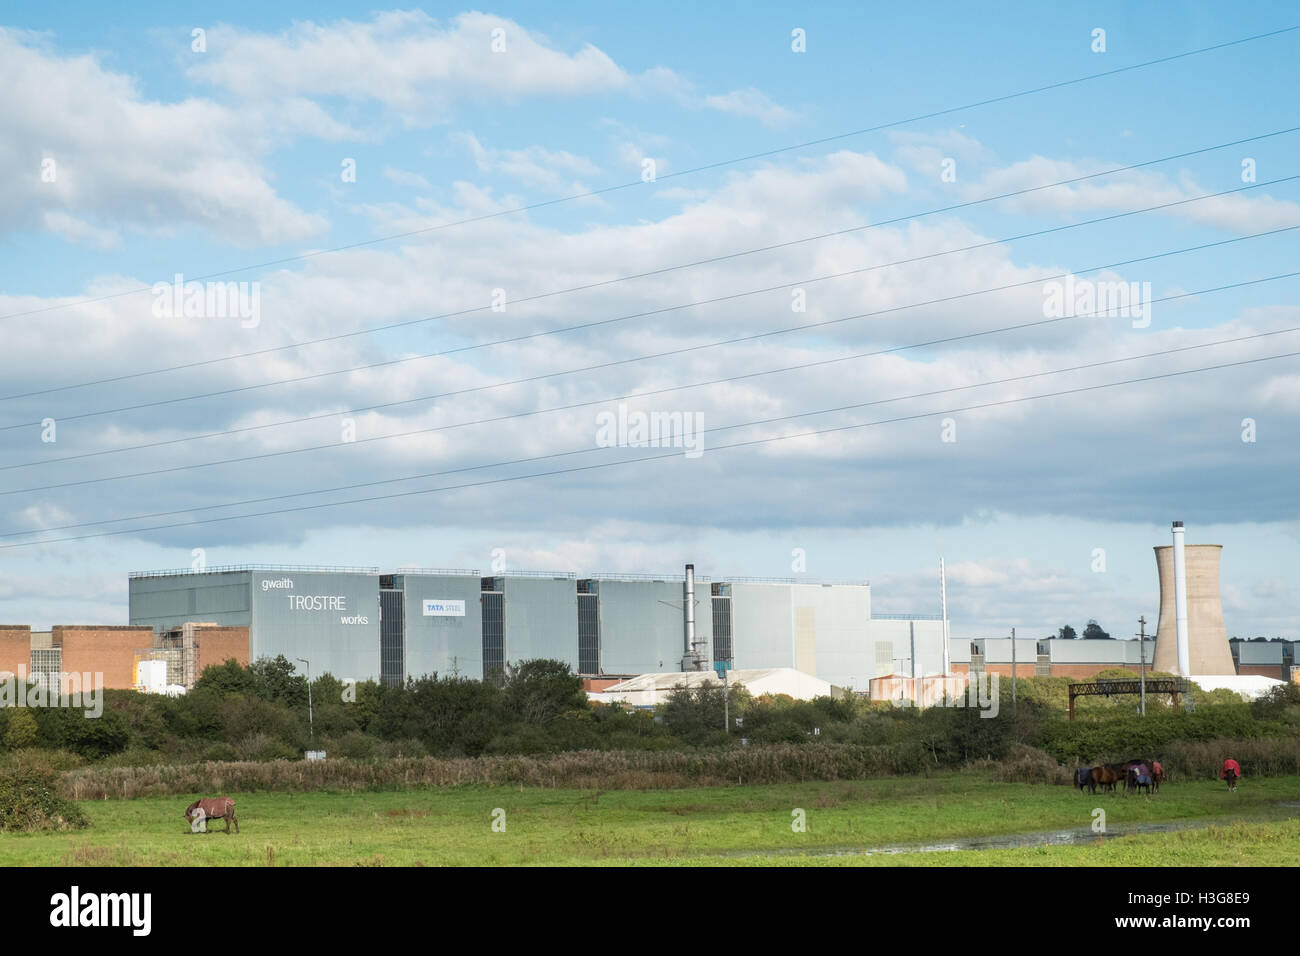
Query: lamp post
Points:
[311, 721]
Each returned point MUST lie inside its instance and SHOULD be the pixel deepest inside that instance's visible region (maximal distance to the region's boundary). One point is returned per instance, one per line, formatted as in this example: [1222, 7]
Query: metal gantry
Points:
[1107, 688]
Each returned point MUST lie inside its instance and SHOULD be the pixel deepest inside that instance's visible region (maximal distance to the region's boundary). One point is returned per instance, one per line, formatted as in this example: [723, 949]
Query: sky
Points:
[846, 252]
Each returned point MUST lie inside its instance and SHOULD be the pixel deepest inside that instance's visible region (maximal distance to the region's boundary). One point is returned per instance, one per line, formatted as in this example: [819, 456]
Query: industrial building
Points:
[117, 654]
[1276, 659]
[366, 624]
[1055, 657]
[1191, 638]
[651, 690]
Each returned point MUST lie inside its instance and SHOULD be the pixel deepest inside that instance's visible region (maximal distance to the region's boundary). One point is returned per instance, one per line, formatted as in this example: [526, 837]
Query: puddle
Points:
[1012, 841]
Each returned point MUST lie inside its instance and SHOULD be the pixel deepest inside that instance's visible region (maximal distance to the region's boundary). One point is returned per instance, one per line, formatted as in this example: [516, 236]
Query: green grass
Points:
[742, 825]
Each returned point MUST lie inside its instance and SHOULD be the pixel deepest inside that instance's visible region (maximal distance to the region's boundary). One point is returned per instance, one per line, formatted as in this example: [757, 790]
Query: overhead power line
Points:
[989, 101]
[673, 454]
[422, 398]
[579, 451]
[684, 265]
[438, 428]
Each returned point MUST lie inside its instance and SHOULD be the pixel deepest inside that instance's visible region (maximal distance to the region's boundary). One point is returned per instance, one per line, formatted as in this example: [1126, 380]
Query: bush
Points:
[260, 746]
[353, 745]
[219, 752]
[1024, 764]
[1202, 760]
[21, 730]
[29, 802]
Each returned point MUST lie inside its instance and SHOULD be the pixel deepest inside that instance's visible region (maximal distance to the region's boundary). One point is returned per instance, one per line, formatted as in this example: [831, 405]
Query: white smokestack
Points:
[1180, 601]
[689, 661]
[943, 604]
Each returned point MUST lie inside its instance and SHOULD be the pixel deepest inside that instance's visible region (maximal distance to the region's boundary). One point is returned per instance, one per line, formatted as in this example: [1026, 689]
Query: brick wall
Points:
[15, 648]
[104, 650]
[1089, 671]
[219, 644]
[1276, 671]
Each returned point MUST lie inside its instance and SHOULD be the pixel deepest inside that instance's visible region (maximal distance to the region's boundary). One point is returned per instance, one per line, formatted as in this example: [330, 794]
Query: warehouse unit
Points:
[363, 624]
[638, 622]
[431, 622]
[324, 615]
[1054, 657]
[1264, 658]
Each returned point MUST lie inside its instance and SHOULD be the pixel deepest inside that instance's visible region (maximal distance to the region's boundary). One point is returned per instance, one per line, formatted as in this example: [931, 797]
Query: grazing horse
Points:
[1157, 776]
[1106, 776]
[1231, 772]
[1139, 778]
[213, 808]
[1083, 778]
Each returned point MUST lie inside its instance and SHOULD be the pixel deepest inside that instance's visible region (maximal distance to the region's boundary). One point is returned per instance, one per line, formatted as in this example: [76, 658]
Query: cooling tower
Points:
[1207, 638]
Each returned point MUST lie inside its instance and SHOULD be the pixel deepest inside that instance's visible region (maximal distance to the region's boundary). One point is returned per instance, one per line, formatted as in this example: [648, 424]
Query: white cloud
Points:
[1242, 212]
[753, 103]
[122, 162]
[533, 166]
[403, 177]
[406, 61]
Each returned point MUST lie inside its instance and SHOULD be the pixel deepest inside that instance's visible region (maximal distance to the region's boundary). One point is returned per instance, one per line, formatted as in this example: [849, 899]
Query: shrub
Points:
[1024, 764]
[219, 752]
[260, 746]
[21, 730]
[29, 801]
[353, 745]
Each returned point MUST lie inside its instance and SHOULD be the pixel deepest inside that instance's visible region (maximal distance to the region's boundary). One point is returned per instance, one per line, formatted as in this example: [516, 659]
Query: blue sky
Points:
[171, 160]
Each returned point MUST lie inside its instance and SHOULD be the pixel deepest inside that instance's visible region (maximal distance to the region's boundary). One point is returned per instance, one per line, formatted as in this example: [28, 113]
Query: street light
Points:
[311, 722]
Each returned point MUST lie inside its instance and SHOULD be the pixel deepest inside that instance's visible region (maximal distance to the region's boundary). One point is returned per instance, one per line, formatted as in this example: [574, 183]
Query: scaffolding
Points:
[180, 648]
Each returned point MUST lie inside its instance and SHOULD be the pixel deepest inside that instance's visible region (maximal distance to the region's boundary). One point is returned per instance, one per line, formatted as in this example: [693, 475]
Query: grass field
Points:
[742, 825]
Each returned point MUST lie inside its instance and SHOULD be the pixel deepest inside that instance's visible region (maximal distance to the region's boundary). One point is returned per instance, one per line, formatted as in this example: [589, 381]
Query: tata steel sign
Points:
[434, 607]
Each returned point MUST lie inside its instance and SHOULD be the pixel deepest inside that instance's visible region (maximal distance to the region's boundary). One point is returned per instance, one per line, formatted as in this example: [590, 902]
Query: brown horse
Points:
[1157, 776]
[213, 808]
[1106, 776]
[1231, 772]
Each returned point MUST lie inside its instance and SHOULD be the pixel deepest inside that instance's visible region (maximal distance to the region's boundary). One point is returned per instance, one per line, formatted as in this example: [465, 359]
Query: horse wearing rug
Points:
[1139, 778]
[1231, 772]
[212, 808]
[1083, 778]
[1157, 776]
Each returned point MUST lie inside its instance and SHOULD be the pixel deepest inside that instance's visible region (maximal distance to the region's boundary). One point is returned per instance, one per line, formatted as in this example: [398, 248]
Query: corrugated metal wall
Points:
[172, 600]
[541, 618]
[446, 644]
[341, 640]
[643, 624]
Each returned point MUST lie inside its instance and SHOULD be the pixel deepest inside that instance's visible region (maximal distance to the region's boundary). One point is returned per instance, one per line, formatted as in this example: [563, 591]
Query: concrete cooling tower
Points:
[1191, 639]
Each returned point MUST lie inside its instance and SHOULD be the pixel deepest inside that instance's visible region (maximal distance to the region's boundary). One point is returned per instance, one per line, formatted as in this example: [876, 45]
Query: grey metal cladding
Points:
[329, 618]
[643, 624]
[541, 619]
[444, 643]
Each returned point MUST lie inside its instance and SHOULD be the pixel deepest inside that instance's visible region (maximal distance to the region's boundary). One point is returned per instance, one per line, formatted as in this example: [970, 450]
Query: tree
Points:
[275, 679]
[538, 691]
[1093, 632]
[22, 730]
[229, 677]
[1066, 633]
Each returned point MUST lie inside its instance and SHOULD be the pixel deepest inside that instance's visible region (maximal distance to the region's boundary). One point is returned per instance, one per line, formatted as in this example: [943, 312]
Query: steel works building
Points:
[363, 624]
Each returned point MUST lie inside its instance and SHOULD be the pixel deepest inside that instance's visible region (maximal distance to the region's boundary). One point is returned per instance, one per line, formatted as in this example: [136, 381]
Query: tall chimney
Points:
[943, 606]
[690, 660]
[1180, 601]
